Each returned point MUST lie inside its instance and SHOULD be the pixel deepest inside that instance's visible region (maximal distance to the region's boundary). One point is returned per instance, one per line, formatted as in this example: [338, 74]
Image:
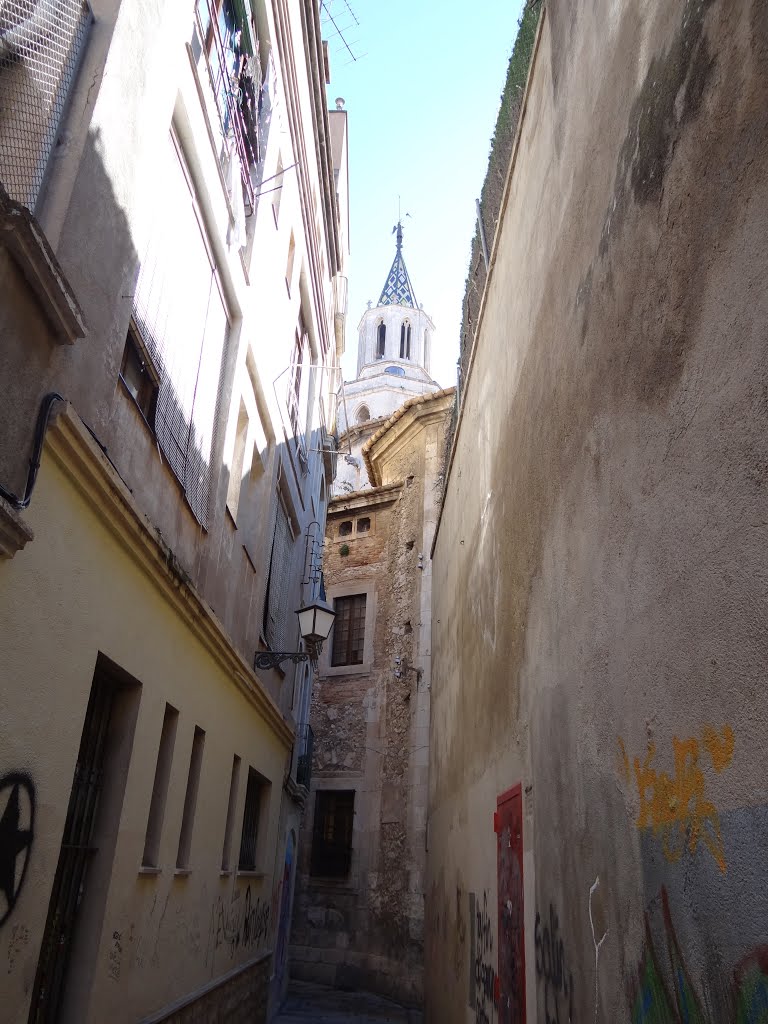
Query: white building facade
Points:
[395, 340]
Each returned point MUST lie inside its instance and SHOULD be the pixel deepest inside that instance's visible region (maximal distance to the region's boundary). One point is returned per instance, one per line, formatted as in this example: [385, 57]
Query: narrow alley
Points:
[313, 1004]
[383, 512]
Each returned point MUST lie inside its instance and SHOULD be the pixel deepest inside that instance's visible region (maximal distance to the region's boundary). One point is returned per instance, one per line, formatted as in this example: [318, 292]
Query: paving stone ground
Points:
[314, 1004]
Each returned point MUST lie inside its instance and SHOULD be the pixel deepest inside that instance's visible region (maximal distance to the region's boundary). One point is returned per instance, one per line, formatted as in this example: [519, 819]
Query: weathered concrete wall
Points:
[371, 724]
[599, 571]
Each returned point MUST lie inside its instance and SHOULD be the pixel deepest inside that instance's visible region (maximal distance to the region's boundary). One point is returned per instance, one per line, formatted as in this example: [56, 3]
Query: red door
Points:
[509, 828]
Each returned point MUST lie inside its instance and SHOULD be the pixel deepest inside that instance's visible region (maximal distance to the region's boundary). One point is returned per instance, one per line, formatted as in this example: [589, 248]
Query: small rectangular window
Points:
[190, 800]
[345, 528]
[349, 630]
[139, 376]
[234, 785]
[363, 525]
[254, 797]
[332, 833]
[160, 788]
[289, 263]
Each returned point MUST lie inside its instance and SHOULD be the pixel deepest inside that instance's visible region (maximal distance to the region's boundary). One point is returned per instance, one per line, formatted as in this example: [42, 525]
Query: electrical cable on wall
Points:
[41, 426]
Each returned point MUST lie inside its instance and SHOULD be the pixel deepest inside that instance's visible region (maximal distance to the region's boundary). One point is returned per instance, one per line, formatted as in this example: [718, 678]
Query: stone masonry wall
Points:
[366, 931]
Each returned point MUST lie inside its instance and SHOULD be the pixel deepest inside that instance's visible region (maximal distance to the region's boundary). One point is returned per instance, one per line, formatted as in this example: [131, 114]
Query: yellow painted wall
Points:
[74, 592]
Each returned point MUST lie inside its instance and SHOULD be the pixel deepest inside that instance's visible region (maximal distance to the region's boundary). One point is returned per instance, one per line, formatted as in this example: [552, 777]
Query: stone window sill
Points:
[23, 237]
[14, 532]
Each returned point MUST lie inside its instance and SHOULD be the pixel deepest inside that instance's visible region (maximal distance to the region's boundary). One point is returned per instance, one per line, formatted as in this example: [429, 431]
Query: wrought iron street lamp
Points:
[315, 621]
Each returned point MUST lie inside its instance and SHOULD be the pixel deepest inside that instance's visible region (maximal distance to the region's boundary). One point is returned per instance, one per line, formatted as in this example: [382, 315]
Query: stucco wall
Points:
[156, 936]
[599, 571]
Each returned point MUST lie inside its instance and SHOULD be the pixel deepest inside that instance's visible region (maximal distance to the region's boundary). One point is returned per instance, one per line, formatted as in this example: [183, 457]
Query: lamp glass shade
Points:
[315, 621]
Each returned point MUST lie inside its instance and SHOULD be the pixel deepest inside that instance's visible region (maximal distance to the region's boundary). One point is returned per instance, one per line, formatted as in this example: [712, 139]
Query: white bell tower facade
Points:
[393, 351]
[393, 358]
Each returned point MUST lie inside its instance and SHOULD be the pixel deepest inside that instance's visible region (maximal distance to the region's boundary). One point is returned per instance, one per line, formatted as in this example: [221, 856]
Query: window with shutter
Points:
[277, 612]
[180, 312]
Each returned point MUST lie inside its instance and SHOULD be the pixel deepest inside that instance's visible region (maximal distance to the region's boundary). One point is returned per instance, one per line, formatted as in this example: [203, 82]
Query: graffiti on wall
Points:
[652, 1001]
[238, 923]
[482, 966]
[552, 968]
[675, 807]
[17, 833]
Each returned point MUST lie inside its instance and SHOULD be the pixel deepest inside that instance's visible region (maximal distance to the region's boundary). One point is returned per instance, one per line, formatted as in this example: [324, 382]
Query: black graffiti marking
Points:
[255, 920]
[550, 966]
[240, 924]
[485, 972]
[17, 832]
[510, 942]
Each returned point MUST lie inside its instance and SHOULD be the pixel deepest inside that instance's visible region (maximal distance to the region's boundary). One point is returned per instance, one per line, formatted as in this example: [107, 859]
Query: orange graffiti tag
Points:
[675, 807]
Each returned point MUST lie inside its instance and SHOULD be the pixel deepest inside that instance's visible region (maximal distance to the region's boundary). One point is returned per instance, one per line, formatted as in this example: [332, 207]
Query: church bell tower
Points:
[393, 351]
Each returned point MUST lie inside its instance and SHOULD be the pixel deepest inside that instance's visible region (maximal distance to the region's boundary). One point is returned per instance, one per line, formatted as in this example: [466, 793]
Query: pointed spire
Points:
[398, 290]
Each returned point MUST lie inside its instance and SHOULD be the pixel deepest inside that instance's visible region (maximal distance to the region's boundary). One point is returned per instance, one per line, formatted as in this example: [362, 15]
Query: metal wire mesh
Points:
[40, 46]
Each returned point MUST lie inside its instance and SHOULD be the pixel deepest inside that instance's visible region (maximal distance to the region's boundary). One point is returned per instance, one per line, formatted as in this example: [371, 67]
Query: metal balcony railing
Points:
[237, 84]
[41, 42]
[306, 740]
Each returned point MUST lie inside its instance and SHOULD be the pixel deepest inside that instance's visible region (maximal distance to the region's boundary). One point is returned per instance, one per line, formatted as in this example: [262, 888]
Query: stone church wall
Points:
[371, 734]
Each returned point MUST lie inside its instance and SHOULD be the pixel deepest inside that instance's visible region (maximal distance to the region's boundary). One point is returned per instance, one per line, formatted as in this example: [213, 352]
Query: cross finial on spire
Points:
[398, 289]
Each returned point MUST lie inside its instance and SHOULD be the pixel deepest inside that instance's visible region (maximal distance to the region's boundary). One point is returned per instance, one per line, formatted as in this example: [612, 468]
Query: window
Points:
[405, 340]
[139, 375]
[277, 604]
[345, 528]
[332, 833]
[254, 797]
[396, 371]
[363, 414]
[363, 524]
[228, 55]
[190, 800]
[289, 263]
[349, 630]
[297, 395]
[381, 340]
[182, 319]
[234, 785]
[160, 788]
[39, 56]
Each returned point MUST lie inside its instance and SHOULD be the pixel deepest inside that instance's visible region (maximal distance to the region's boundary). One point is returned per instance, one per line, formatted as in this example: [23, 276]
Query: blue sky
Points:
[422, 99]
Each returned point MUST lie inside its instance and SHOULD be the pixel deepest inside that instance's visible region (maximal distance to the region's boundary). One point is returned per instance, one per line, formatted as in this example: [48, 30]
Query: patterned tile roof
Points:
[398, 290]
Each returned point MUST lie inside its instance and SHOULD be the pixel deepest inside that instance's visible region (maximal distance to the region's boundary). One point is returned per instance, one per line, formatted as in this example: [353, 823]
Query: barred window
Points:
[255, 794]
[41, 42]
[332, 833]
[349, 630]
[180, 313]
